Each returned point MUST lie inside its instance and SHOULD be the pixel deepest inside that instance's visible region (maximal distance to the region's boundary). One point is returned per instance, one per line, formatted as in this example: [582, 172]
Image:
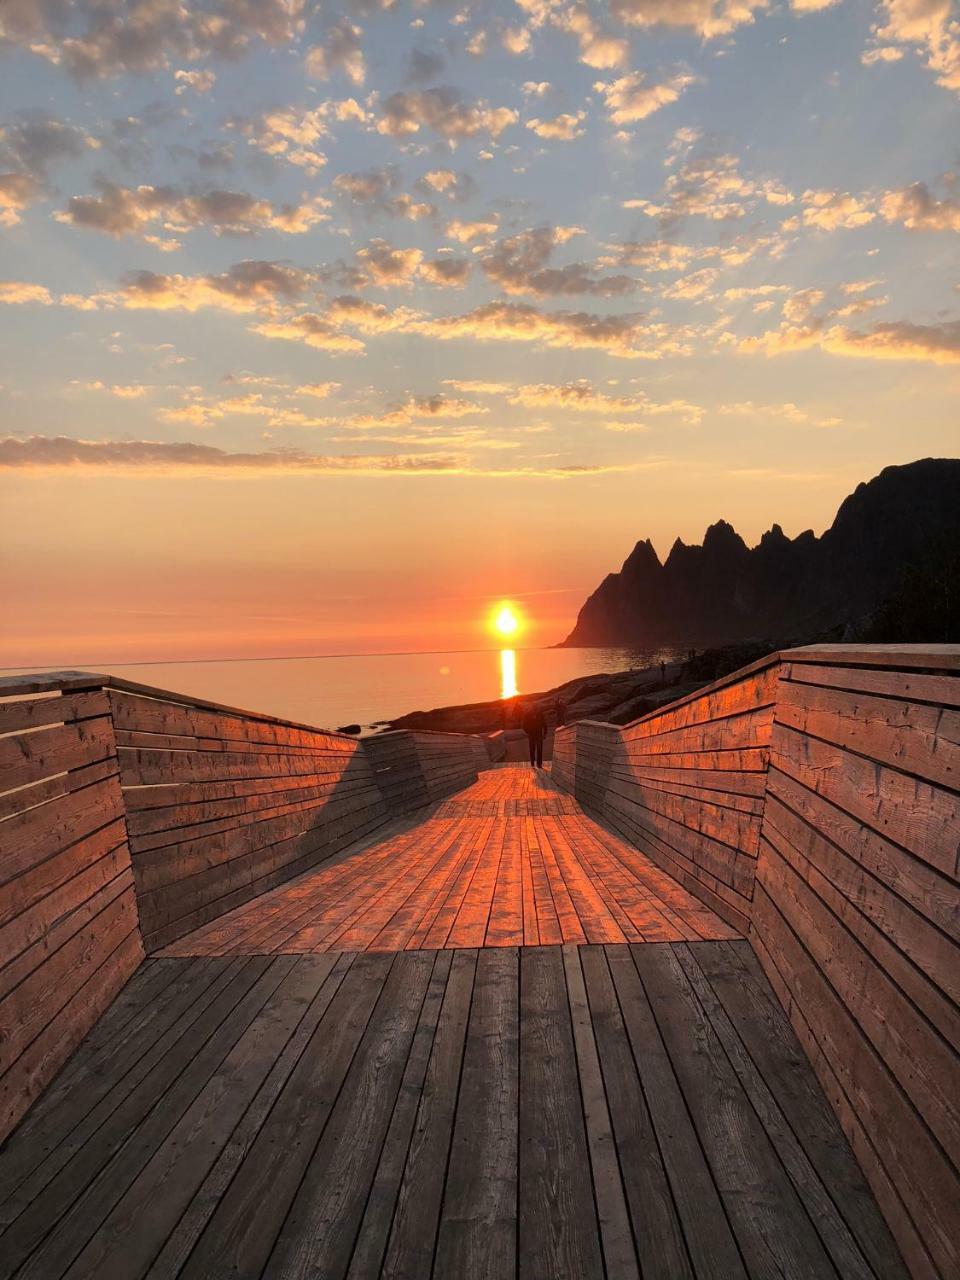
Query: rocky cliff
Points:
[902, 521]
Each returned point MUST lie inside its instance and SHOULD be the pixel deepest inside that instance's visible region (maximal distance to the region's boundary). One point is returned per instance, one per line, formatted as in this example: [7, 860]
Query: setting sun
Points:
[506, 621]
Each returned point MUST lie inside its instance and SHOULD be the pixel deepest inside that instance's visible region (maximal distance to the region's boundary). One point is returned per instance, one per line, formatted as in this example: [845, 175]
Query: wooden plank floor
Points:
[537, 1112]
[509, 861]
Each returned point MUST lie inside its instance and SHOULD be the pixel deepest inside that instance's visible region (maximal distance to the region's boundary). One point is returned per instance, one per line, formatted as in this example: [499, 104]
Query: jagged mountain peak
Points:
[783, 588]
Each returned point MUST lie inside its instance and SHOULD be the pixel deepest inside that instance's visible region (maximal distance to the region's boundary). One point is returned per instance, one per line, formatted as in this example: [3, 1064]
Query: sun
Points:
[506, 621]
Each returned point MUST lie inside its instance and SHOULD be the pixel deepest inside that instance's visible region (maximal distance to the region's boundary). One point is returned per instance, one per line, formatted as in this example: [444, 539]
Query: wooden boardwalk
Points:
[510, 861]
[595, 1111]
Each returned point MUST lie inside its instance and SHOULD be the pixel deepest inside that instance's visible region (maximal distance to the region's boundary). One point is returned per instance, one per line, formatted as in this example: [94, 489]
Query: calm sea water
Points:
[345, 690]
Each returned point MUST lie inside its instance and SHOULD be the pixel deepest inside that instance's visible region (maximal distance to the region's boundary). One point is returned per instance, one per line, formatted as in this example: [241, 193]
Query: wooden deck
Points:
[580, 1112]
[509, 861]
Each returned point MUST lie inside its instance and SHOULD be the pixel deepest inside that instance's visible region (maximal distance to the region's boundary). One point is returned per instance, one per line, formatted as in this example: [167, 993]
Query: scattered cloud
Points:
[36, 140]
[445, 182]
[124, 211]
[563, 128]
[631, 336]
[314, 331]
[786, 412]
[17, 192]
[633, 98]
[465, 232]
[896, 340]
[583, 397]
[122, 391]
[451, 273]
[97, 42]
[522, 264]
[882, 53]
[246, 286]
[60, 453]
[29, 146]
[832, 210]
[438, 408]
[478, 387]
[339, 50]
[515, 40]
[443, 111]
[291, 134]
[710, 185]
[197, 81]
[378, 191]
[930, 27]
[918, 209]
[14, 292]
[598, 48]
[46, 454]
[385, 266]
[706, 18]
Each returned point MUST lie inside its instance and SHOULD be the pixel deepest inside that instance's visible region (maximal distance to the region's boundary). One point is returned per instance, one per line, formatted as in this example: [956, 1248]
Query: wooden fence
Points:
[856, 918]
[69, 935]
[449, 761]
[813, 800]
[130, 815]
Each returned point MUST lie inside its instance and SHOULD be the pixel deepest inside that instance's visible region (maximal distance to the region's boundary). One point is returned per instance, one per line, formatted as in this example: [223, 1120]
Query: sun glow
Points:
[505, 621]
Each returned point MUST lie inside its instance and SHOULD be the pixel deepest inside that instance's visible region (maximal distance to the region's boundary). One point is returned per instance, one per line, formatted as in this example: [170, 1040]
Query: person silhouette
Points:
[535, 727]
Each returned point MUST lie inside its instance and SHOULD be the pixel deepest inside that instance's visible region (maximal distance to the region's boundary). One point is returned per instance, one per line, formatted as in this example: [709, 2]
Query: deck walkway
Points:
[509, 861]
[609, 1109]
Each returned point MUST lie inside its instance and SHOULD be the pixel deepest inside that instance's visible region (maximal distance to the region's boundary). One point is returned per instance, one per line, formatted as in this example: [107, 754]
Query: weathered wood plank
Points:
[321, 1226]
[710, 1242]
[657, 1231]
[241, 1232]
[410, 1248]
[778, 1078]
[772, 1228]
[478, 1225]
[901, 1161]
[558, 1230]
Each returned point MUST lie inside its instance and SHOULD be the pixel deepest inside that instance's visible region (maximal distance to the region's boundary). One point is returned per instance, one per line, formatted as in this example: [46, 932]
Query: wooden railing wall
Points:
[449, 761]
[814, 801]
[685, 784]
[69, 934]
[129, 816]
[223, 806]
[856, 918]
[396, 767]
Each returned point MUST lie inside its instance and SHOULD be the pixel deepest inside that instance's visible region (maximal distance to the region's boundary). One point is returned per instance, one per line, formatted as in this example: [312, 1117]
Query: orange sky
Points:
[130, 569]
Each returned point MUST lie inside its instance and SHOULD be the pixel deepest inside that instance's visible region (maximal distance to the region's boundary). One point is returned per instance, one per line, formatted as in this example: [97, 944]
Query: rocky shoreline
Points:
[616, 697]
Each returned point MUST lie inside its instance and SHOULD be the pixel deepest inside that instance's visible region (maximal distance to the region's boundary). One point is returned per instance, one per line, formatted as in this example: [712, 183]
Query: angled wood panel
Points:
[69, 932]
[857, 919]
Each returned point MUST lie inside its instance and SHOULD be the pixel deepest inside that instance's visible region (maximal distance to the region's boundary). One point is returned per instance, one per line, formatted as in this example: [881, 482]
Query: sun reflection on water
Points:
[508, 673]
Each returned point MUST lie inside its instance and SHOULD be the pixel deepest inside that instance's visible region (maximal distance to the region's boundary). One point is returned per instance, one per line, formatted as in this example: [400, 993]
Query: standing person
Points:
[535, 727]
[560, 714]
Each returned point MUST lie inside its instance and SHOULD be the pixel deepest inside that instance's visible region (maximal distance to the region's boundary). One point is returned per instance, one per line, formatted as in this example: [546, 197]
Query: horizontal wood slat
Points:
[857, 921]
[223, 806]
[69, 931]
[685, 784]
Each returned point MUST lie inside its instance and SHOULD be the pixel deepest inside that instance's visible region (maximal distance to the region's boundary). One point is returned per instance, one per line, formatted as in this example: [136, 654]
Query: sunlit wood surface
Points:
[533, 1112]
[510, 861]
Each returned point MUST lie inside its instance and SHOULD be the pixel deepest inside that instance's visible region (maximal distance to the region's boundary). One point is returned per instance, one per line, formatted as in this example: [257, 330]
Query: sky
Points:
[325, 327]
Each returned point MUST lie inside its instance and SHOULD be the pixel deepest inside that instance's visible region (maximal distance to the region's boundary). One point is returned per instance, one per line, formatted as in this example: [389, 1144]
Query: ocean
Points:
[362, 689]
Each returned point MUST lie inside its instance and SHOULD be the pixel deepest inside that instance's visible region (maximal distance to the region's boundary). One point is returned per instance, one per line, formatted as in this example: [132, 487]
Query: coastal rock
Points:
[784, 589]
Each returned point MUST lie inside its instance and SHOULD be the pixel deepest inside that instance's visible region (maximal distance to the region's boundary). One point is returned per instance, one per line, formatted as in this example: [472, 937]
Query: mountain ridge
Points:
[722, 591]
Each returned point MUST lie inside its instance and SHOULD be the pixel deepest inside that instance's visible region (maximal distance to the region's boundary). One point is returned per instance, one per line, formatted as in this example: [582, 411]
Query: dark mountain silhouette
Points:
[856, 580]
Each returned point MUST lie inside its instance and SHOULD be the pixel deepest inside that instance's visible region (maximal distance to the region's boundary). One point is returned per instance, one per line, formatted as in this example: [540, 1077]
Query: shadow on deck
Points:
[440, 1094]
[510, 861]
